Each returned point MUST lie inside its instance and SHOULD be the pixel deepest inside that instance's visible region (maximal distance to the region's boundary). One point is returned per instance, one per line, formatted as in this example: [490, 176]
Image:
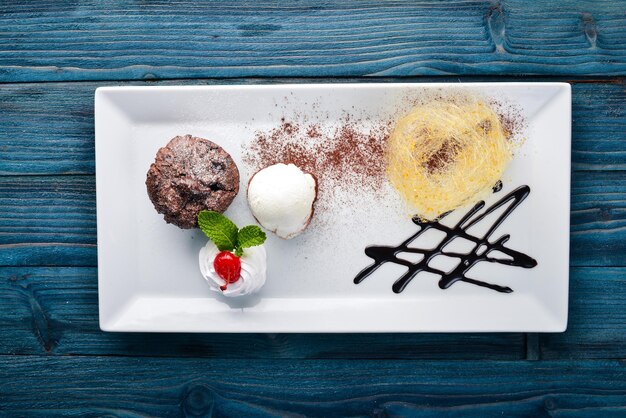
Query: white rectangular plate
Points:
[148, 275]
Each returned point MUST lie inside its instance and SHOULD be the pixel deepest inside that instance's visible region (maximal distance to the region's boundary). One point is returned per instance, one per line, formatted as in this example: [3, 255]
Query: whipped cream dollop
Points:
[253, 270]
[281, 198]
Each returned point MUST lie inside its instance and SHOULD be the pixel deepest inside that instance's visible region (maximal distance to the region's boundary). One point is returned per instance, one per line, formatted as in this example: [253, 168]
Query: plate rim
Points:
[101, 96]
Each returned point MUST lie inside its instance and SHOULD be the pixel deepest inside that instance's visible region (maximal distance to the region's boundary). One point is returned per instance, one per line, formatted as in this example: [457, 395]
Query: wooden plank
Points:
[115, 40]
[597, 322]
[55, 311]
[126, 386]
[46, 130]
[51, 220]
[48, 220]
[599, 126]
[598, 219]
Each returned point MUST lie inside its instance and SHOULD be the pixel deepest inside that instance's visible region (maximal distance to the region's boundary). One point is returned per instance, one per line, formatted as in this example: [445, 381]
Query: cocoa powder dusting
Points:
[313, 131]
[485, 125]
[347, 156]
[511, 118]
[442, 158]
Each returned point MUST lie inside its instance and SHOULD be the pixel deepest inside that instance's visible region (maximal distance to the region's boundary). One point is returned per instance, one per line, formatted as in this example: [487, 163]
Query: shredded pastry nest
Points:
[446, 154]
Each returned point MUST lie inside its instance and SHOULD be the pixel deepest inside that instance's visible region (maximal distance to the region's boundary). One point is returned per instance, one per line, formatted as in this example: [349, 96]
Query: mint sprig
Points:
[249, 236]
[225, 235]
[221, 230]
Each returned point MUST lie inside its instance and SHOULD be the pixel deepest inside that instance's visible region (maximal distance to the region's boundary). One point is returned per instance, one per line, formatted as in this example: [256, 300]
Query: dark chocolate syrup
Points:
[497, 187]
[482, 248]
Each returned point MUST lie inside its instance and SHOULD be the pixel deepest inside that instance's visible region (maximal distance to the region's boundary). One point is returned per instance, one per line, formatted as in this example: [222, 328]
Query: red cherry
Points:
[228, 266]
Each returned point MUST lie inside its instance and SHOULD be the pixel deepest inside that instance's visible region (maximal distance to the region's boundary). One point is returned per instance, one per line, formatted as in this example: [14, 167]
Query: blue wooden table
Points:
[55, 361]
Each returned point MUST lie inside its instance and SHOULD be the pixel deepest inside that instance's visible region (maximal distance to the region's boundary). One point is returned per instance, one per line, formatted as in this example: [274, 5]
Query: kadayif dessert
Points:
[234, 261]
[444, 154]
[191, 174]
[281, 199]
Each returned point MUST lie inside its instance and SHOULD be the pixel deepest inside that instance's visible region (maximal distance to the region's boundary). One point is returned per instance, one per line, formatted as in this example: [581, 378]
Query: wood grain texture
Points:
[47, 220]
[599, 126]
[54, 361]
[48, 128]
[51, 220]
[114, 40]
[598, 218]
[597, 317]
[132, 387]
[55, 311]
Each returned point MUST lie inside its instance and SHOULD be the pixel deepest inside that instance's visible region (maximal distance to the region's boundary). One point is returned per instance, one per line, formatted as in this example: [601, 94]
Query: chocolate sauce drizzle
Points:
[480, 252]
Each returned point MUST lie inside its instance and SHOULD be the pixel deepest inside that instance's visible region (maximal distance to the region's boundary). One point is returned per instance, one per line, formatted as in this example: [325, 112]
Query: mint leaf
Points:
[221, 230]
[249, 236]
[238, 251]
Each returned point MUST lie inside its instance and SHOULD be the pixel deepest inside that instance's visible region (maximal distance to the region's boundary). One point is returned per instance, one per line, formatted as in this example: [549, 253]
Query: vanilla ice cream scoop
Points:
[281, 198]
